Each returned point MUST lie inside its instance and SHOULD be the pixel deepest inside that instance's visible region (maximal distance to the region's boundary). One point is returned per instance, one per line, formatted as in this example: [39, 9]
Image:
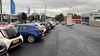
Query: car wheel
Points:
[6, 54]
[49, 27]
[31, 38]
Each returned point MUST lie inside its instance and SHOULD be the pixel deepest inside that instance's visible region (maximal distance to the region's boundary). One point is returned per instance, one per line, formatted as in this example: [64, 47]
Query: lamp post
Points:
[1, 11]
[45, 12]
[70, 9]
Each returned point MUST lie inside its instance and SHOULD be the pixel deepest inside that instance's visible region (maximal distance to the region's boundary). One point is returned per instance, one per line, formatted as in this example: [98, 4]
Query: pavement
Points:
[80, 40]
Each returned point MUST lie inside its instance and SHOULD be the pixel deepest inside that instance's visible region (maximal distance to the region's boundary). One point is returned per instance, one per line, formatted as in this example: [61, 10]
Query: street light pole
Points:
[70, 9]
[1, 11]
[45, 13]
[51, 14]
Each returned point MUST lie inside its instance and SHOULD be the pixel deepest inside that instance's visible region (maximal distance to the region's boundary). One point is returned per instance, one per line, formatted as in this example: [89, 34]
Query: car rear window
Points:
[38, 27]
[11, 33]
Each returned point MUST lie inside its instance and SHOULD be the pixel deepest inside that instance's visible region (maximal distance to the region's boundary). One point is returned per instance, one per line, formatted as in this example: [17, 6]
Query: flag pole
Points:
[10, 19]
[1, 11]
[12, 4]
[27, 13]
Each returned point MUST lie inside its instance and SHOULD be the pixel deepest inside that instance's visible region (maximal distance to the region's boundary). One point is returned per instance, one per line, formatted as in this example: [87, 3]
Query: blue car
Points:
[30, 32]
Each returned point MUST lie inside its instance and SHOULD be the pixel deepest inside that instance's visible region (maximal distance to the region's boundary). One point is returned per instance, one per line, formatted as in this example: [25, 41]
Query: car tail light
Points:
[4, 33]
[38, 31]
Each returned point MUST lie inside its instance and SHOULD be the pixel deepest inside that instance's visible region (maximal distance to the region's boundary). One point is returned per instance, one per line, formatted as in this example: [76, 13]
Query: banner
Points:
[28, 11]
[12, 4]
[69, 19]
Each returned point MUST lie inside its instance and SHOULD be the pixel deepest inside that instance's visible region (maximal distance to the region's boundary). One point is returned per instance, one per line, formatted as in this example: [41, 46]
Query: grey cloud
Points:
[54, 6]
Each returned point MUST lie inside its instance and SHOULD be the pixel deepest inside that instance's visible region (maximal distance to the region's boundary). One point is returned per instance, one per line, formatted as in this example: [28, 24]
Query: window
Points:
[23, 27]
[10, 33]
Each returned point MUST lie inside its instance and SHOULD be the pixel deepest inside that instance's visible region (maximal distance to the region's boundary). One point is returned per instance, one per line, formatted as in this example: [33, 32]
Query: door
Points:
[24, 31]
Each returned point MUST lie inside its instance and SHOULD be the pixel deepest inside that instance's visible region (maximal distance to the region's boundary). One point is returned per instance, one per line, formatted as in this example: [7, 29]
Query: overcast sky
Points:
[54, 7]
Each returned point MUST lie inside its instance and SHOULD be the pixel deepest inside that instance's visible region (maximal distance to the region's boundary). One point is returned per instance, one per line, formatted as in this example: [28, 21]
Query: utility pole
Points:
[1, 11]
[45, 13]
[70, 9]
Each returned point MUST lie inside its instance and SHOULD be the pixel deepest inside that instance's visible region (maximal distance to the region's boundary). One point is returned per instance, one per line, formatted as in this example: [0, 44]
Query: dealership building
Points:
[92, 16]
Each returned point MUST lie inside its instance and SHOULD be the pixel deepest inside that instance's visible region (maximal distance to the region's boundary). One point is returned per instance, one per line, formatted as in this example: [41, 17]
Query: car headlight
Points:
[2, 46]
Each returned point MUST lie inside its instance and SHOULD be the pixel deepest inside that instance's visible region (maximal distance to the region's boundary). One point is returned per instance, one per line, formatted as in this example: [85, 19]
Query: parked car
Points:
[83, 23]
[39, 25]
[3, 49]
[97, 20]
[10, 36]
[64, 23]
[87, 23]
[13, 24]
[58, 22]
[52, 23]
[47, 25]
[73, 23]
[30, 32]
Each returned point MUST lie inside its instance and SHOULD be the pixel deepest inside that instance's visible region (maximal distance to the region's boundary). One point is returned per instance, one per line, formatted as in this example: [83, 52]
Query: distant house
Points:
[7, 17]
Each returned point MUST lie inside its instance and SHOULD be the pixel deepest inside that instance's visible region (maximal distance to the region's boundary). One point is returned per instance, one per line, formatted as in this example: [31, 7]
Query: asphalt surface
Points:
[80, 40]
[48, 46]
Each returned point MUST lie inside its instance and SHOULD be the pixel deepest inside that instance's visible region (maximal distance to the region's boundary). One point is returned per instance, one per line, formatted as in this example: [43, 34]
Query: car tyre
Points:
[31, 38]
[6, 54]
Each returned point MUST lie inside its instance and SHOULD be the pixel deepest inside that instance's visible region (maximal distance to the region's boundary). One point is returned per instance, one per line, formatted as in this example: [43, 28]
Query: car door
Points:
[24, 31]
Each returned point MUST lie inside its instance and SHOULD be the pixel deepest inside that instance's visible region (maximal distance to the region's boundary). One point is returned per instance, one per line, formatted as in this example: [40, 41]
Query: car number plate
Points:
[15, 41]
[43, 34]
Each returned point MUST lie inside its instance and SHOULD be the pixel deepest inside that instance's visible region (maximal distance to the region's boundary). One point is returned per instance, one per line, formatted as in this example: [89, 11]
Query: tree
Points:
[19, 17]
[37, 17]
[24, 16]
[31, 18]
[59, 17]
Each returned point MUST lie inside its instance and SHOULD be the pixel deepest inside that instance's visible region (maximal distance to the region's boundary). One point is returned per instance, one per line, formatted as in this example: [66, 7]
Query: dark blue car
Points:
[30, 32]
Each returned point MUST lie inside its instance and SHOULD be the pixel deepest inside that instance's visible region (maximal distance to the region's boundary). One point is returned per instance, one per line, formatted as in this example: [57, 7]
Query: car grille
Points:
[12, 45]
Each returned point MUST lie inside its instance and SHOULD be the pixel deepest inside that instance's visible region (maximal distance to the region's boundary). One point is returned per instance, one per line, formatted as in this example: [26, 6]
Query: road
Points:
[81, 40]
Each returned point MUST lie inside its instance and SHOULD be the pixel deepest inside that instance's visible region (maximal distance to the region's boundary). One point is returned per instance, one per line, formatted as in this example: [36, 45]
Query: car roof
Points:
[6, 26]
[29, 24]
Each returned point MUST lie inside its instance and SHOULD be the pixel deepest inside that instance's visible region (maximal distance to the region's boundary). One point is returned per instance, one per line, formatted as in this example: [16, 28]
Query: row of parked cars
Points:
[13, 35]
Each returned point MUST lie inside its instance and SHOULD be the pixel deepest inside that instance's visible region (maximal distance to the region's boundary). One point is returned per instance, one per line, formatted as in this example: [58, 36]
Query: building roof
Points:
[97, 14]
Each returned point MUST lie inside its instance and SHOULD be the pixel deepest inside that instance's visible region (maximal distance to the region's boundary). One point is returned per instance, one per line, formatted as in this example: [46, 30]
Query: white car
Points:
[10, 36]
[40, 26]
[73, 23]
[3, 49]
[52, 23]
